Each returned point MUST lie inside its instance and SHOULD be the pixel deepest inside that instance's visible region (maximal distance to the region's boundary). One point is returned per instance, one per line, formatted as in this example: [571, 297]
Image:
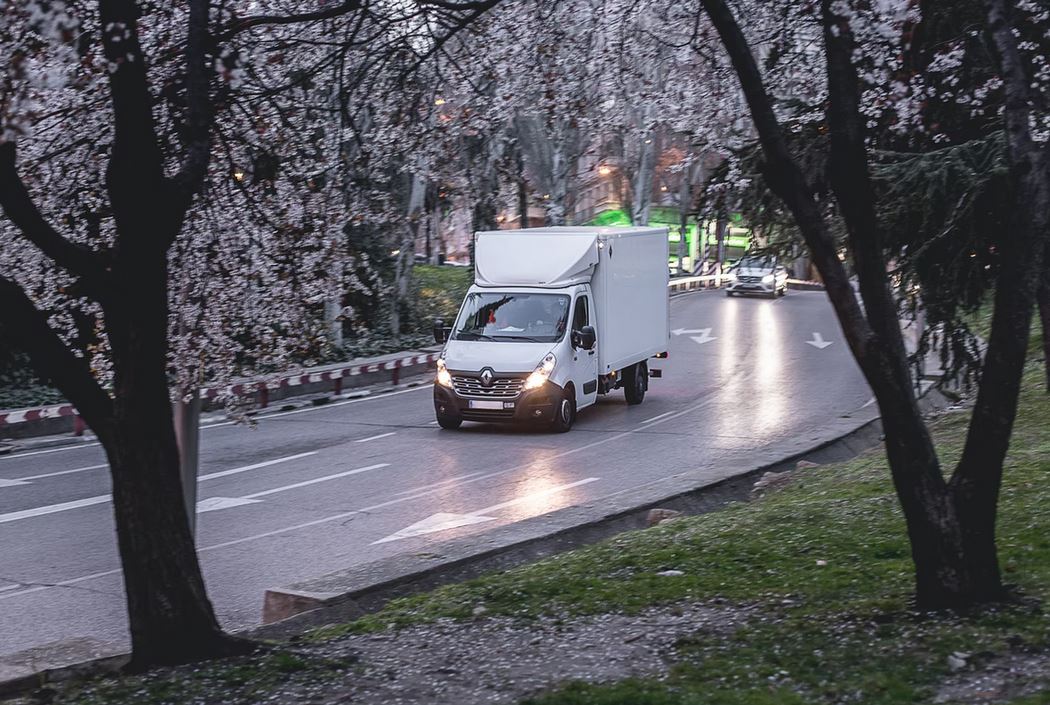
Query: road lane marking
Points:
[657, 418]
[52, 450]
[53, 508]
[316, 480]
[64, 583]
[443, 521]
[322, 407]
[215, 503]
[449, 481]
[12, 483]
[256, 466]
[102, 499]
[63, 472]
[375, 438]
[382, 505]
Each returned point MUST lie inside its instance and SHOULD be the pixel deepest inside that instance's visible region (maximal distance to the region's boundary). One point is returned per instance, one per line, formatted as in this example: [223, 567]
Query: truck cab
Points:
[534, 335]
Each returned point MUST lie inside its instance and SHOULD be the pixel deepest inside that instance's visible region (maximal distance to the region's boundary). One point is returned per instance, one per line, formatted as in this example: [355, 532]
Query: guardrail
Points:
[334, 378]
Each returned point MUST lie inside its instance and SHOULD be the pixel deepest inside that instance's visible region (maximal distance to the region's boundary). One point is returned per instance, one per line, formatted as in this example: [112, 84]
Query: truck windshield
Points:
[505, 317]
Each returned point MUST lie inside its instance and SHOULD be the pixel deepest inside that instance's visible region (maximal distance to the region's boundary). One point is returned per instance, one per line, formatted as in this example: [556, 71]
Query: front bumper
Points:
[748, 287]
[532, 405]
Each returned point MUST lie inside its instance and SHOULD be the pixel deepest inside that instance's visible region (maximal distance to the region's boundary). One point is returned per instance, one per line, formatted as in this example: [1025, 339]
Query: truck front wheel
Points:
[450, 423]
[636, 380]
[565, 411]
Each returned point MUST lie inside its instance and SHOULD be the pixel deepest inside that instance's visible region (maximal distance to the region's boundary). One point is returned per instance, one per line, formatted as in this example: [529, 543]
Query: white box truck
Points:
[555, 317]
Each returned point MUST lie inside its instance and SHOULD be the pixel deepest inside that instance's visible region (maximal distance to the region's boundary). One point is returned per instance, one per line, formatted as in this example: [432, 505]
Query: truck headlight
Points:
[768, 279]
[443, 376]
[539, 376]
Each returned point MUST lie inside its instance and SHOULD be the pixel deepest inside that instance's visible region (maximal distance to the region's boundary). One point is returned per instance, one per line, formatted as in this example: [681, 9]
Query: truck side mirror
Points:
[587, 337]
[440, 331]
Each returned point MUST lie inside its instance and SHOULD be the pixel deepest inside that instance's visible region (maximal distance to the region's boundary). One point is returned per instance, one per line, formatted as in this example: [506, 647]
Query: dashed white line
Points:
[375, 438]
[256, 466]
[62, 472]
[315, 480]
[102, 499]
[13, 456]
[656, 418]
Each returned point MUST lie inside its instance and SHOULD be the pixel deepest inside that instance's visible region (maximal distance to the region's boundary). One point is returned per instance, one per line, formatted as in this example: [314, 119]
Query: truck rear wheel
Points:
[636, 381]
[565, 411]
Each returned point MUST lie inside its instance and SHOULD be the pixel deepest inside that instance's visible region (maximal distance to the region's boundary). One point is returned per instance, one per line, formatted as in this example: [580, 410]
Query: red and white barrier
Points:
[335, 375]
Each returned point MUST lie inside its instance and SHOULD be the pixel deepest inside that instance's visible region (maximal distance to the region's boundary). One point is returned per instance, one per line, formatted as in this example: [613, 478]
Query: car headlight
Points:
[539, 376]
[768, 279]
[443, 376]
[730, 276]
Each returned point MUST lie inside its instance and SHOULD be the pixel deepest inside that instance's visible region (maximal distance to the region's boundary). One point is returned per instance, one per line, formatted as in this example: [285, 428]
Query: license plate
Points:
[481, 404]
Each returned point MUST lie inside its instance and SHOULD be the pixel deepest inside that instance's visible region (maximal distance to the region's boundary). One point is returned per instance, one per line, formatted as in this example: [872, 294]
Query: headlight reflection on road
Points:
[728, 334]
[770, 385]
[535, 494]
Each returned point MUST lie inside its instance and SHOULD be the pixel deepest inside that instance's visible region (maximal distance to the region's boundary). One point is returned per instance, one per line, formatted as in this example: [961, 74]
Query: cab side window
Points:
[579, 316]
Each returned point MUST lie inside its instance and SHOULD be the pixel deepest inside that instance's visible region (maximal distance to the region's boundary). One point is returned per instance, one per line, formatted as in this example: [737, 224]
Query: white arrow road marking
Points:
[214, 503]
[444, 520]
[690, 331]
[437, 522]
[818, 341]
[12, 483]
[704, 337]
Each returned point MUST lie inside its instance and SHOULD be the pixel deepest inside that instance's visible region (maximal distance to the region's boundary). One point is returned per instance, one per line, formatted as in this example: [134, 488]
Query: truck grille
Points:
[507, 388]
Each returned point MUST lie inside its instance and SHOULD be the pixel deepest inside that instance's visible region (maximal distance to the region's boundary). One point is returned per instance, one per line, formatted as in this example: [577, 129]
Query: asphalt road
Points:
[319, 489]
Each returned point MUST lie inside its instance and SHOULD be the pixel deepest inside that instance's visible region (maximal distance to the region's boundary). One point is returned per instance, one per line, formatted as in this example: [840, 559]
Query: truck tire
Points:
[565, 411]
[450, 423]
[636, 381]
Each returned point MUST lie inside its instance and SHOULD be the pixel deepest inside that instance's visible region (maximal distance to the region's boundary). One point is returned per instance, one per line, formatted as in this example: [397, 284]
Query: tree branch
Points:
[786, 179]
[237, 26]
[135, 175]
[980, 469]
[52, 359]
[201, 113]
[18, 206]
[852, 185]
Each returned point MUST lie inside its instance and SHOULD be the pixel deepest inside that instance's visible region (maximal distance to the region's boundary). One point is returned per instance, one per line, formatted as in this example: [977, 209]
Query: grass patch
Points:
[824, 563]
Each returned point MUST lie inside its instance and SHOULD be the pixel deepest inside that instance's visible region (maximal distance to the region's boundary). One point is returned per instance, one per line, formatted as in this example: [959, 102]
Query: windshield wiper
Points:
[477, 336]
[526, 338]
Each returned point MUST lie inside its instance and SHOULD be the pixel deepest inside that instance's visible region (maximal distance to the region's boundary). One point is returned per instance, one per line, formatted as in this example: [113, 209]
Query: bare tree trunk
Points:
[951, 529]
[1044, 317]
[642, 184]
[523, 192]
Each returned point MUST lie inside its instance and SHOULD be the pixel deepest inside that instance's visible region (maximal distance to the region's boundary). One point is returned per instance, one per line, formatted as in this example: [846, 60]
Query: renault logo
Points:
[486, 377]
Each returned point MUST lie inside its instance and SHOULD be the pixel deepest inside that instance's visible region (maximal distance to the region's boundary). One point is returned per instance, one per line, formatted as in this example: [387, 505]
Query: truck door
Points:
[584, 362]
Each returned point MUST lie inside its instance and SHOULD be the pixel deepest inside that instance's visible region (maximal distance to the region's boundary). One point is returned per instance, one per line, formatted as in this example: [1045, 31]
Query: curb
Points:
[351, 593]
[369, 587]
